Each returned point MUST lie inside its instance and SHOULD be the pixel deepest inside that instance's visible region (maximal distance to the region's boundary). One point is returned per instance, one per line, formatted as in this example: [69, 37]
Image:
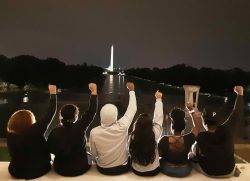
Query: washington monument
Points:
[111, 65]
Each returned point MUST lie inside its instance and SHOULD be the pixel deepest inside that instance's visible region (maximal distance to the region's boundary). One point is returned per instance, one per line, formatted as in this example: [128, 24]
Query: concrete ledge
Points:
[94, 175]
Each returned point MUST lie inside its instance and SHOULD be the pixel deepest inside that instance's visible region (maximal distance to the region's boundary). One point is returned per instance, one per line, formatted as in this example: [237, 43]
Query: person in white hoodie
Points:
[108, 142]
[143, 142]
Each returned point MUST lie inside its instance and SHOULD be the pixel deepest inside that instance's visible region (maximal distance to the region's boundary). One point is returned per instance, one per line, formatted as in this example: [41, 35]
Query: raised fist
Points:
[130, 86]
[190, 106]
[158, 95]
[93, 88]
[238, 89]
[52, 89]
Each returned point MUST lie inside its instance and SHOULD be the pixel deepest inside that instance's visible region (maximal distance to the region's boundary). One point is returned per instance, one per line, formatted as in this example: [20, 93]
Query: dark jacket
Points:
[30, 157]
[216, 155]
[68, 144]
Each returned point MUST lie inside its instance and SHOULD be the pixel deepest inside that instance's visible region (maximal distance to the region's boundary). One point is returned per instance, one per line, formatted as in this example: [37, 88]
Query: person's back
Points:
[30, 157]
[143, 141]
[68, 142]
[174, 148]
[216, 146]
[108, 142]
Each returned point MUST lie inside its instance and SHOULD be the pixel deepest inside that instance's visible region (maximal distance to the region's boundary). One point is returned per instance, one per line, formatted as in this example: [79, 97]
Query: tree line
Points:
[25, 69]
[211, 80]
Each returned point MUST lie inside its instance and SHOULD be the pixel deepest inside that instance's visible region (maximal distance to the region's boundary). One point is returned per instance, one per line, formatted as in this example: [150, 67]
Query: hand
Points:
[52, 89]
[190, 106]
[197, 115]
[239, 90]
[158, 95]
[93, 88]
[130, 86]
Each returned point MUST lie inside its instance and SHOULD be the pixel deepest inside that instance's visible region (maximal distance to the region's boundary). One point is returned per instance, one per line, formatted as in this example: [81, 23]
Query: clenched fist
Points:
[52, 89]
[93, 88]
[158, 95]
[130, 86]
[238, 90]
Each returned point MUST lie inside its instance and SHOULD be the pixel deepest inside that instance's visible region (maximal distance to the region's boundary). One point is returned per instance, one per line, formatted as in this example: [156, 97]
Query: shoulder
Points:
[189, 137]
[202, 136]
[96, 130]
[58, 132]
[164, 139]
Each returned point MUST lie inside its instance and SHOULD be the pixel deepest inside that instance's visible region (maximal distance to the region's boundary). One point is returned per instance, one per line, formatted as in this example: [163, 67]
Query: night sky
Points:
[145, 33]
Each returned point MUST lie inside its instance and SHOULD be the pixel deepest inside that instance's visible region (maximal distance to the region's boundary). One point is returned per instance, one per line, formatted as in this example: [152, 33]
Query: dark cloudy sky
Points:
[145, 33]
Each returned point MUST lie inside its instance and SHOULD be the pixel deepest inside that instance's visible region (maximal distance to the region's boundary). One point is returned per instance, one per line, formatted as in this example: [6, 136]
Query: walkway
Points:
[93, 175]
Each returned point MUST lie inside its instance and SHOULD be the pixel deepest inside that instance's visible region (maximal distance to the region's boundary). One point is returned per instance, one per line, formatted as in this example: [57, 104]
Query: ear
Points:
[60, 116]
[203, 112]
[171, 128]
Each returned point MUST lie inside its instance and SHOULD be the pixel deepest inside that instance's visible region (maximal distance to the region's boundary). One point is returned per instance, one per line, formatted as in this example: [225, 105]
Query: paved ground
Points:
[94, 175]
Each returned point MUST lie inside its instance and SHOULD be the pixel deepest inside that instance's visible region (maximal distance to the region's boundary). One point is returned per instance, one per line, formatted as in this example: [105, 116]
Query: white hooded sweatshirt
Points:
[108, 142]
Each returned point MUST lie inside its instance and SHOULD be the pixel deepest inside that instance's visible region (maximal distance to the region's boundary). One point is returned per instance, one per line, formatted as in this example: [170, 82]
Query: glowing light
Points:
[25, 98]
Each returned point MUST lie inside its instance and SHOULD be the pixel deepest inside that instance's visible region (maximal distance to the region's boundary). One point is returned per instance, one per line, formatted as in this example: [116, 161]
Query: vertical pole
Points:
[111, 59]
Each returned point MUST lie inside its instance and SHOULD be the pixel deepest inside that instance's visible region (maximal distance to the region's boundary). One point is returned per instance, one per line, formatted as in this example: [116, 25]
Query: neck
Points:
[211, 129]
[177, 133]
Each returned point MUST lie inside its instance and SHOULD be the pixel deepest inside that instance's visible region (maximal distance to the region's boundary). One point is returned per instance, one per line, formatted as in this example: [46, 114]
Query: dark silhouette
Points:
[25, 69]
[67, 141]
[30, 157]
[209, 79]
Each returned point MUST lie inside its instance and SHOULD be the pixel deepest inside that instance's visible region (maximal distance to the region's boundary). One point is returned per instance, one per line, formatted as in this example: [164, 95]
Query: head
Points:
[20, 121]
[210, 119]
[143, 141]
[108, 115]
[68, 114]
[177, 117]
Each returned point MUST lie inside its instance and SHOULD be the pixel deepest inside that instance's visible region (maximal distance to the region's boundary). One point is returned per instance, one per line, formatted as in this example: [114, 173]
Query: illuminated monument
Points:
[111, 69]
[111, 65]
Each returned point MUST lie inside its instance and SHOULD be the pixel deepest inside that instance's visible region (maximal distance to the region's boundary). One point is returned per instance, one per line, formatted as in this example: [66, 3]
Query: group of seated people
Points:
[114, 151]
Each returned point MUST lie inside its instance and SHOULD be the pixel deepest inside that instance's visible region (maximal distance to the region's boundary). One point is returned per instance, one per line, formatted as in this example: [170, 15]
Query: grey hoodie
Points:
[108, 142]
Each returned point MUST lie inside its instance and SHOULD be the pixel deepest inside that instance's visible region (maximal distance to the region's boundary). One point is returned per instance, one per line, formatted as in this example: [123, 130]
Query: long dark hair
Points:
[142, 142]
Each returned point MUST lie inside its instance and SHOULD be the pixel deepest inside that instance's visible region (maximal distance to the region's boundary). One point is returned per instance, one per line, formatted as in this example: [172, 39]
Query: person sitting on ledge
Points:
[215, 147]
[68, 141]
[143, 141]
[27, 147]
[174, 148]
[108, 142]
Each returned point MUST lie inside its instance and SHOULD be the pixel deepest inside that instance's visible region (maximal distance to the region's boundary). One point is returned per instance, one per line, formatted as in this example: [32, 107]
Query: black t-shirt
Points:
[68, 144]
[176, 157]
[216, 150]
[30, 157]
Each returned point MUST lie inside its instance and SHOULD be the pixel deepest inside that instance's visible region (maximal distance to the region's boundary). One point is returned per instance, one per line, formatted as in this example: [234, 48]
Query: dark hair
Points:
[177, 116]
[142, 142]
[67, 113]
[210, 117]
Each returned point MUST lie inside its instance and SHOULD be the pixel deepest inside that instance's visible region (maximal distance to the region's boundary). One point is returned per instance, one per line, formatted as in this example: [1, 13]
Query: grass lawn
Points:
[4, 154]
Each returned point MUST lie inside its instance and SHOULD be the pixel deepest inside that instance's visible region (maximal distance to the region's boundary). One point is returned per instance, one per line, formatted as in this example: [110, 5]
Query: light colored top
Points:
[157, 128]
[108, 144]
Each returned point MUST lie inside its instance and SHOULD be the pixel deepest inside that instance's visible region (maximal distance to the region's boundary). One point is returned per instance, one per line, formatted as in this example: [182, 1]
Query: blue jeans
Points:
[175, 171]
